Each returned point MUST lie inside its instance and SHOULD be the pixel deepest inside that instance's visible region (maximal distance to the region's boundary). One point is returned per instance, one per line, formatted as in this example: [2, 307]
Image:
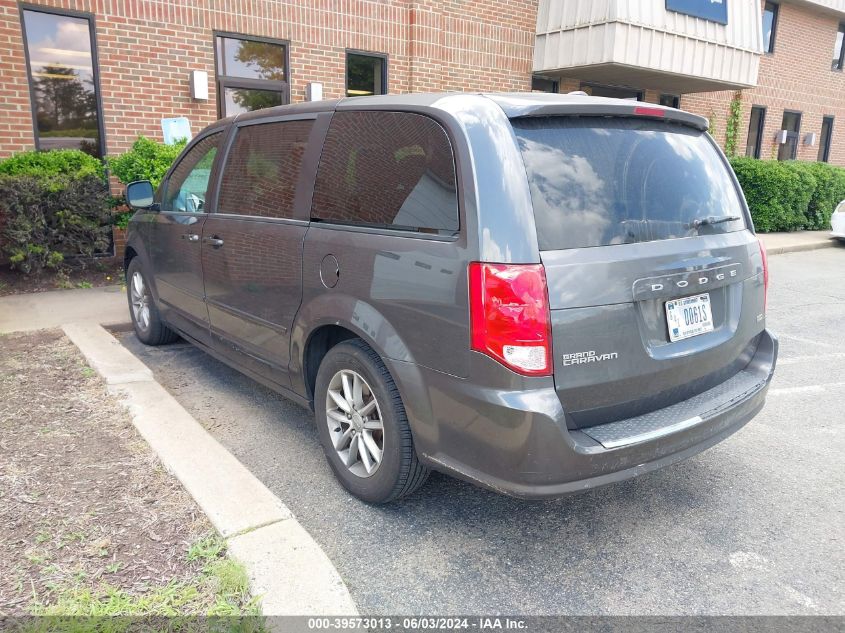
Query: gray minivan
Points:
[535, 293]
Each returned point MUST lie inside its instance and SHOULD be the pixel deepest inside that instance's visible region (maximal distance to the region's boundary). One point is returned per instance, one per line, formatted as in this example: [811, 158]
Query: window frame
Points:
[593, 84]
[307, 170]
[837, 65]
[758, 149]
[555, 84]
[385, 60]
[95, 67]
[211, 192]
[379, 230]
[826, 154]
[245, 83]
[797, 133]
[775, 19]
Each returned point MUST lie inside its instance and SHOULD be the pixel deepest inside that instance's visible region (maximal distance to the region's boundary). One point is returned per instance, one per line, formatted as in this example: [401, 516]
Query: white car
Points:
[837, 221]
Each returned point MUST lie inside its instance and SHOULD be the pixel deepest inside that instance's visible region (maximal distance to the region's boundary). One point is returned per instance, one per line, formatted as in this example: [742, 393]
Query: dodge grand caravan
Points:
[538, 294]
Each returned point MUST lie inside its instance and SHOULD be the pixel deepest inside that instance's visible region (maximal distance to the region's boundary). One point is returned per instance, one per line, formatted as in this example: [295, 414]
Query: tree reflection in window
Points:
[62, 81]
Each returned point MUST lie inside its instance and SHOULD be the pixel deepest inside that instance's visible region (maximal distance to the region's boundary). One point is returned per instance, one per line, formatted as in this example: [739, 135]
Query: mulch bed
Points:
[82, 497]
[97, 273]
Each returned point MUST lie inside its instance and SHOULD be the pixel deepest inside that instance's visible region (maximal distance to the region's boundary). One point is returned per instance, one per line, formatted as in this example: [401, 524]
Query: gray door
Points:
[252, 246]
[176, 241]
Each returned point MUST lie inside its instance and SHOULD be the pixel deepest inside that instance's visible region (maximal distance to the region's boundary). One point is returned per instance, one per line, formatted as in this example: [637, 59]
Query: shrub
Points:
[69, 162]
[778, 193]
[147, 160]
[51, 217]
[829, 192]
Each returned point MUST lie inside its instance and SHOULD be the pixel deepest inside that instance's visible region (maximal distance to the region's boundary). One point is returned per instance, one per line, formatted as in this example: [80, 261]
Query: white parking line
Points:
[807, 389]
[804, 359]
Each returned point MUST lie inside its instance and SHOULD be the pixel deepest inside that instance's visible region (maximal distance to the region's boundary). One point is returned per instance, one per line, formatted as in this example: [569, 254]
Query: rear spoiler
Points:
[634, 110]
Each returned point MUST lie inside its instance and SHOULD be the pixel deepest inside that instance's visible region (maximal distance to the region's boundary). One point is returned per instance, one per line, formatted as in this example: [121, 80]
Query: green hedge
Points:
[789, 195]
[147, 160]
[68, 162]
[48, 218]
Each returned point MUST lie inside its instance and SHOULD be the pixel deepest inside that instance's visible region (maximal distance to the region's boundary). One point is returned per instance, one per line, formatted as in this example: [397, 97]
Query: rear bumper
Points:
[517, 443]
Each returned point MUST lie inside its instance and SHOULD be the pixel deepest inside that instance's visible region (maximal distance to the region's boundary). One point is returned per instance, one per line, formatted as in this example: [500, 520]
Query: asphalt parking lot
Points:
[755, 525]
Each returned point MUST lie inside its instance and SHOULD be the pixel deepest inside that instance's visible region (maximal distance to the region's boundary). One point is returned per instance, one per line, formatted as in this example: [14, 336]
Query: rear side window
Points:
[262, 169]
[388, 170]
[601, 181]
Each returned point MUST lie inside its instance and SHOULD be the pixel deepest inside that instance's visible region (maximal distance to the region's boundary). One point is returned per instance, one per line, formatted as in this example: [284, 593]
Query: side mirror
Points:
[140, 194]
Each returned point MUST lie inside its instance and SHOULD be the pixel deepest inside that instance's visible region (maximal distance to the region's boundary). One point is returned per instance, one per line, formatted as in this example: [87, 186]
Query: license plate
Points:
[689, 316]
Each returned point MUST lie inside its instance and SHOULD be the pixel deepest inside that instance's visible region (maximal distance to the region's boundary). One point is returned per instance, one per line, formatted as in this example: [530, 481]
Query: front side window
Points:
[755, 132]
[791, 124]
[63, 81]
[391, 170]
[366, 74]
[187, 186]
[839, 49]
[599, 181]
[826, 137]
[251, 74]
[262, 169]
[770, 22]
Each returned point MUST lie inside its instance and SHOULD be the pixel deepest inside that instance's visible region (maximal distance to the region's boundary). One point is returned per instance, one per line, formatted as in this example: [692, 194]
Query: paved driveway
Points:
[755, 525]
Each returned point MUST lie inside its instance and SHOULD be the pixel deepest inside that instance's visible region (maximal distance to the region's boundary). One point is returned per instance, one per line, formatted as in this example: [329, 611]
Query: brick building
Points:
[97, 73]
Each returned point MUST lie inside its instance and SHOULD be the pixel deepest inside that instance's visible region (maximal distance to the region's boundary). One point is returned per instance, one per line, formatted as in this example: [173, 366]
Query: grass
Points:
[220, 588]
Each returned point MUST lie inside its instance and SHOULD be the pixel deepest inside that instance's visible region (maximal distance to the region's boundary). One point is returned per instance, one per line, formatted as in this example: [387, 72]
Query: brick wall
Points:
[147, 48]
[796, 76]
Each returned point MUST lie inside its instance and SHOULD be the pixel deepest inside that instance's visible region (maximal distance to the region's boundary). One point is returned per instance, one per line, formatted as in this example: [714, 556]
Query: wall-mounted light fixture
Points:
[782, 136]
[199, 85]
[314, 91]
[810, 139]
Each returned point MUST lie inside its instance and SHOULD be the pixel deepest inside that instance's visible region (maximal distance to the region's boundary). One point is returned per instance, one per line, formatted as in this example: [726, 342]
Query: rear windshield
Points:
[600, 181]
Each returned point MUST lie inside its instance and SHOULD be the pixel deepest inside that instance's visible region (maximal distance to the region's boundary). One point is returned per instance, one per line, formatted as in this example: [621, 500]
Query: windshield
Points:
[597, 181]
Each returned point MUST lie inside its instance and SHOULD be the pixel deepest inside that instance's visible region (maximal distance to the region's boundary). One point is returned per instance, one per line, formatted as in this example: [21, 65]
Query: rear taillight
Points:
[509, 316]
[765, 273]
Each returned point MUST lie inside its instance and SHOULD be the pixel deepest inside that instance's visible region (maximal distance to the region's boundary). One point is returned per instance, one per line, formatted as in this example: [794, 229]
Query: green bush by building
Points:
[790, 195]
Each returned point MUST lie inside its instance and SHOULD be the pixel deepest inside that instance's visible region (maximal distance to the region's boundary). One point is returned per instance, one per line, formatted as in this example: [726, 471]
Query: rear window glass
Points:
[388, 170]
[602, 181]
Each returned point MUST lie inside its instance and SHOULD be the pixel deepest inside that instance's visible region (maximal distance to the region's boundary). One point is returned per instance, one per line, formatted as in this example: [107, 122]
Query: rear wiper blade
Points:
[714, 219]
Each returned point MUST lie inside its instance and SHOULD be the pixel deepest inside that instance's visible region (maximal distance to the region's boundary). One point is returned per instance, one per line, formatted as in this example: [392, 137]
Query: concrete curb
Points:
[287, 568]
[797, 248]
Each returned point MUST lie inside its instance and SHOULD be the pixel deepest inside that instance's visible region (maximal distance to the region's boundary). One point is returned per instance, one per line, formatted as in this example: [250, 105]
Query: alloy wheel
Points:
[355, 423]
[140, 301]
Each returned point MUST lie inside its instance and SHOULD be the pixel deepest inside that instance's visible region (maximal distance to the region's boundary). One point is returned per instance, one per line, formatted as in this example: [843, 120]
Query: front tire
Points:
[363, 426]
[147, 322]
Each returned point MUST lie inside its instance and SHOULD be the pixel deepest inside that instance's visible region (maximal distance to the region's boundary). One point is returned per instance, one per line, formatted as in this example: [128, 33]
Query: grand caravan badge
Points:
[579, 358]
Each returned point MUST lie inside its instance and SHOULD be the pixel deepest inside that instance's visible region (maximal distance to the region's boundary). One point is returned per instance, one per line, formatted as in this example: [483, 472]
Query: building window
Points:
[366, 74]
[670, 101]
[839, 49]
[252, 73]
[63, 80]
[262, 169]
[755, 131]
[770, 24]
[615, 92]
[544, 84]
[791, 124]
[826, 137]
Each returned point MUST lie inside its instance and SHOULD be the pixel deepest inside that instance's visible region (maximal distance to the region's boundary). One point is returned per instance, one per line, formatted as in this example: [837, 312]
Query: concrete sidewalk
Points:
[778, 243]
[39, 310]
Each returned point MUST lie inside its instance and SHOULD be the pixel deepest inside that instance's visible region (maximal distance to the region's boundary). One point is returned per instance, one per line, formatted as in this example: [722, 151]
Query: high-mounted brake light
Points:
[509, 316]
[644, 111]
[765, 273]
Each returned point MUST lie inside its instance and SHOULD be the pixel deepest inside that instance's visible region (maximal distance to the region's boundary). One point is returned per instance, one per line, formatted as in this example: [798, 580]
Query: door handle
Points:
[191, 237]
[215, 241]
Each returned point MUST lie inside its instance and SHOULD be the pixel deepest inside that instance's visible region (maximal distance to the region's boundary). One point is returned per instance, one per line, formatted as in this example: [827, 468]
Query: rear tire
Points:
[383, 465]
[146, 320]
